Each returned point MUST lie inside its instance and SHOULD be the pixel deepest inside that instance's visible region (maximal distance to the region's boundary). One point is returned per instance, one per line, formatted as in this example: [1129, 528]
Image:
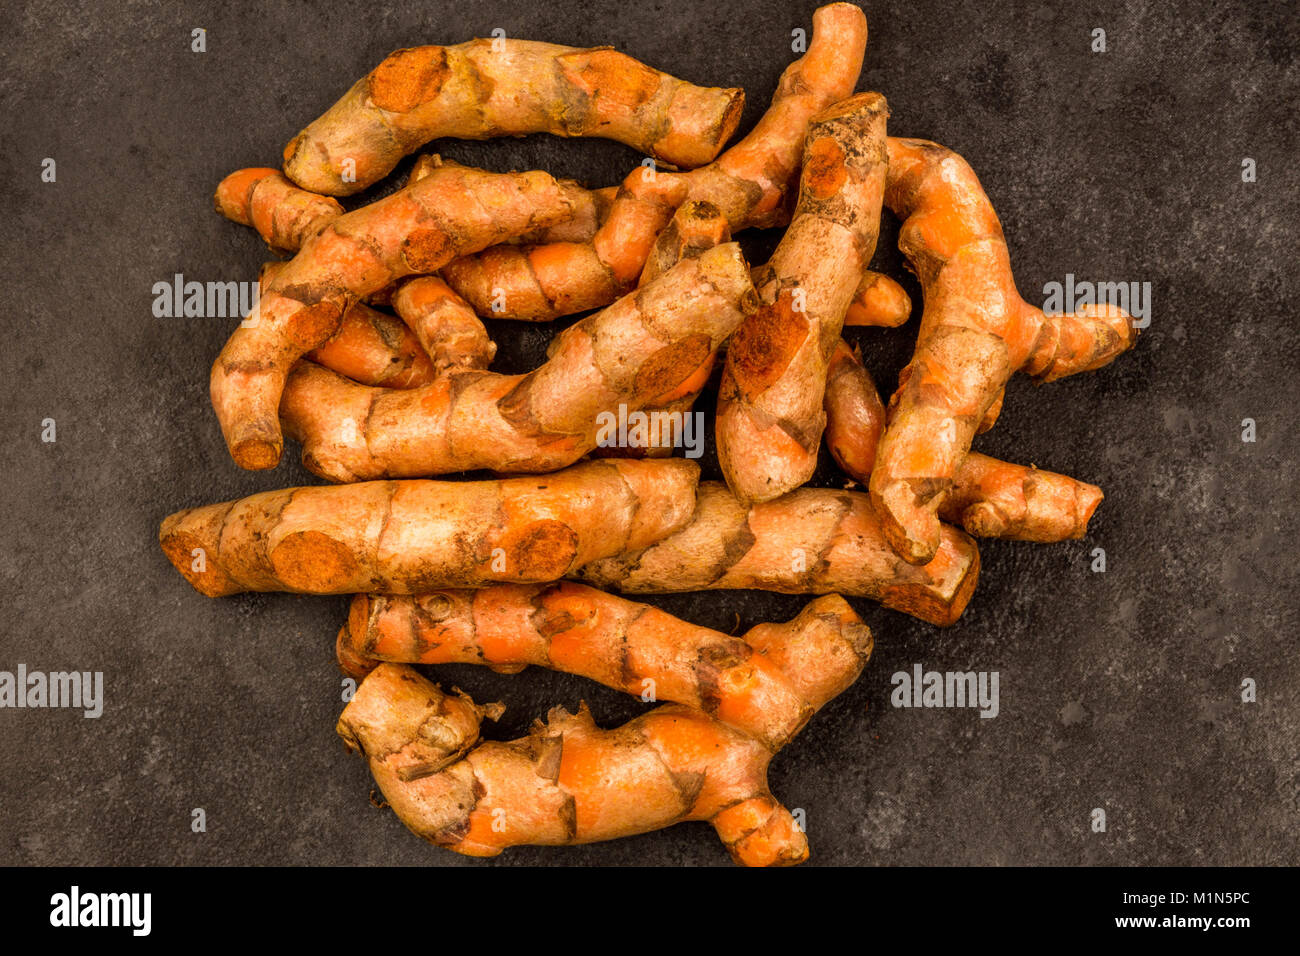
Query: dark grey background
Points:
[1118, 690]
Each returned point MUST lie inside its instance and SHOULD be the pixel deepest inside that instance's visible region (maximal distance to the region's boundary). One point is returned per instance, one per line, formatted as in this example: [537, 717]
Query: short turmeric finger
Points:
[284, 215]
[879, 301]
[811, 541]
[767, 683]
[976, 331]
[770, 415]
[416, 230]
[409, 536]
[989, 498]
[749, 183]
[696, 227]
[484, 89]
[449, 331]
[637, 351]
[542, 282]
[370, 348]
[590, 208]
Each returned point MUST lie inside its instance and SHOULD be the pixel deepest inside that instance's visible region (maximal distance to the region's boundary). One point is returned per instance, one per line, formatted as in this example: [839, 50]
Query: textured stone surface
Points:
[1118, 690]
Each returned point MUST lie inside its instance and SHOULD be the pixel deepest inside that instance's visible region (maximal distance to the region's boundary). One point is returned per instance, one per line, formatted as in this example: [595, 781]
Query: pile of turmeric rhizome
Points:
[367, 348]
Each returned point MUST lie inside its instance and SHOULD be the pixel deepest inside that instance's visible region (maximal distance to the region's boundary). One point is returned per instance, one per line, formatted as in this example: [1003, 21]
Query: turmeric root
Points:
[811, 541]
[749, 183]
[696, 227]
[752, 180]
[767, 683]
[449, 331]
[590, 208]
[976, 331]
[634, 353]
[542, 282]
[410, 536]
[488, 88]
[989, 498]
[568, 781]
[416, 230]
[770, 416]
[879, 301]
[284, 215]
[370, 347]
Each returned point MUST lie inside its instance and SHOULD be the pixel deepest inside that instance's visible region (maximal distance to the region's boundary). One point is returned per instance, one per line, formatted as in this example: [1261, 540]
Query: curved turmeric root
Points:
[770, 416]
[879, 301]
[484, 89]
[976, 331]
[989, 498]
[284, 215]
[568, 782]
[449, 331]
[634, 353]
[811, 541]
[370, 347]
[749, 183]
[409, 536]
[541, 282]
[767, 683]
[752, 180]
[416, 230]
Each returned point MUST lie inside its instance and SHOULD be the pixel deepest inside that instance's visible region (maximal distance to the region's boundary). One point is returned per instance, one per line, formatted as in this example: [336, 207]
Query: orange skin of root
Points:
[750, 183]
[767, 683]
[879, 301]
[403, 537]
[370, 347]
[568, 782]
[416, 230]
[484, 89]
[975, 332]
[811, 541]
[770, 416]
[990, 498]
[448, 330]
[542, 282]
[634, 353]
[284, 215]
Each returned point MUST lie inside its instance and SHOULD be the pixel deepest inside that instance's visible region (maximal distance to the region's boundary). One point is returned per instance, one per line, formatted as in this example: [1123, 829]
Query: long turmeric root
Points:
[752, 180]
[976, 331]
[770, 416]
[369, 347]
[416, 230]
[625, 645]
[488, 88]
[635, 353]
[811, 541]
[749, 183]
[570, 782]
[989, 498]
[410, 536]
